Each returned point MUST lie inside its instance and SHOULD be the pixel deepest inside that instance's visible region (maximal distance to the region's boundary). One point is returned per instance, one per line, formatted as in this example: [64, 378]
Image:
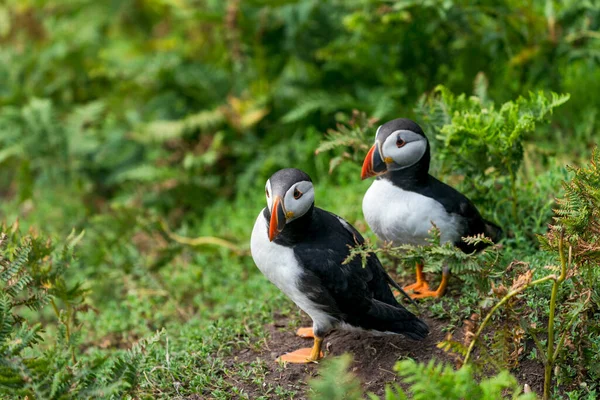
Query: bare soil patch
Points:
[374, 357]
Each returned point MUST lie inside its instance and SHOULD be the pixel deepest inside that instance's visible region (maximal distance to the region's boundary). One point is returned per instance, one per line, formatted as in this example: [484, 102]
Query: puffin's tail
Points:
[416, 329]
[387, 318]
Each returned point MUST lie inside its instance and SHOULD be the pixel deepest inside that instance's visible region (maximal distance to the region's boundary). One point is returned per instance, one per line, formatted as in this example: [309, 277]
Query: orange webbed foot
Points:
[417, 286]
[434, 293]
[305, 333]
[300, 356]
[420, 285]
[306, 355]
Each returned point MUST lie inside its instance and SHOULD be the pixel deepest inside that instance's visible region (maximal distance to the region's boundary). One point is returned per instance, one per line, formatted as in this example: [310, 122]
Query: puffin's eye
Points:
[400, 142]
[297, 194]
[267, 193]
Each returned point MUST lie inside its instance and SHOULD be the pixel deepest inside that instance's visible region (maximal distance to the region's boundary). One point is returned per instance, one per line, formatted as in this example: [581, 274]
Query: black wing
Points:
[455, 202]
[359, 296]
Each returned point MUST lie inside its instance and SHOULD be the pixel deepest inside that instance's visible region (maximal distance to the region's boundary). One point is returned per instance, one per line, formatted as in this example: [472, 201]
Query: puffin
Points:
[404, 200]
[302, 250]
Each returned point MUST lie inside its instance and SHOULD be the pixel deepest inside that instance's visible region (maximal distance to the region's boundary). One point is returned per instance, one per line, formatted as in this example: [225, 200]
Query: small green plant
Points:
[577, 225]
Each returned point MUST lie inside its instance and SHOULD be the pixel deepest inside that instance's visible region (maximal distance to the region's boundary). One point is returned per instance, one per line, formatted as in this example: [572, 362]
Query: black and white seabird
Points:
[301, 248]
[404, 200]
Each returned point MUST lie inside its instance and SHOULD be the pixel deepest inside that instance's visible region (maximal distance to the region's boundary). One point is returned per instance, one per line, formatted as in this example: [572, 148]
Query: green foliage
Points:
[17, 290]
[32, 274]
[154, 106]
[577, 225]
[472, 137]
[437, 381]
[424, 381]
[336, 383]
[573, 311]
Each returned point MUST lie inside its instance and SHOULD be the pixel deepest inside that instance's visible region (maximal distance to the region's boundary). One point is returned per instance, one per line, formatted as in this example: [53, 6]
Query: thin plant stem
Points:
[200, 241]
[55, 308]
[66, 323]
[513, 189]
[70, 320]
[497, 306]
[550, 355]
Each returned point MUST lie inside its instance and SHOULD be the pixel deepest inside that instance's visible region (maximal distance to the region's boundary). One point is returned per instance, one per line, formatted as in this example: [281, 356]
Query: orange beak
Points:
[277, 222]
[373, 164]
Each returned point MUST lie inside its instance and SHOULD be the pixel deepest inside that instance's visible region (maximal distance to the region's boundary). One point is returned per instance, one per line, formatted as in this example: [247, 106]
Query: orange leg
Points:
[421, 284]
[305, 333]
[434, 293]
[304, 356]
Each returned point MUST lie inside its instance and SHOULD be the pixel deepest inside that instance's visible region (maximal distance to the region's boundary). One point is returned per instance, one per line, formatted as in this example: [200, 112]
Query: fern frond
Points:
[577, 216]
[336, 381]
[144, 173]
[12, 269]
[351, 136]
[452, 346]
[162, 131]
[17, 284]
[431, 380]
[318, 101]
[6, 319]
[35, 301]
[25, 336]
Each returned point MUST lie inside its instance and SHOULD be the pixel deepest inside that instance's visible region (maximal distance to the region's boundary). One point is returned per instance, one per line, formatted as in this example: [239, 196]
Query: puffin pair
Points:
[301, 248]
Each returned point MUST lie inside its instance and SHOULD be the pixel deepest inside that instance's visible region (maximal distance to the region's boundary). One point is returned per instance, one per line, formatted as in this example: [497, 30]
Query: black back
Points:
[356, 295]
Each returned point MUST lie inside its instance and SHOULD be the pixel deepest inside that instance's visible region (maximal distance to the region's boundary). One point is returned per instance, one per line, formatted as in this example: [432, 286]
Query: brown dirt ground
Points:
[374, 357]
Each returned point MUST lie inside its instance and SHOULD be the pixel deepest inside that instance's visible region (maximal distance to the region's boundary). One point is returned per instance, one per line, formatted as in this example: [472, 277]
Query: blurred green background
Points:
[122, 118]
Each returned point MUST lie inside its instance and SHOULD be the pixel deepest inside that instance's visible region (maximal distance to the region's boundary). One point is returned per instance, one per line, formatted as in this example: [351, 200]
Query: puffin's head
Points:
[399, 143]
[290, 195]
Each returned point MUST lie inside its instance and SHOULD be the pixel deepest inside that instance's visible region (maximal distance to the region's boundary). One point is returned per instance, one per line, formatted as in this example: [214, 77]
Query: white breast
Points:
[280, 265]
[405, 217]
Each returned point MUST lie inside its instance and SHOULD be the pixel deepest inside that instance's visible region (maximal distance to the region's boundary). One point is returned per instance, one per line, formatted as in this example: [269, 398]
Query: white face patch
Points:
[269, 194]
[411, 150]
[297, 207]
